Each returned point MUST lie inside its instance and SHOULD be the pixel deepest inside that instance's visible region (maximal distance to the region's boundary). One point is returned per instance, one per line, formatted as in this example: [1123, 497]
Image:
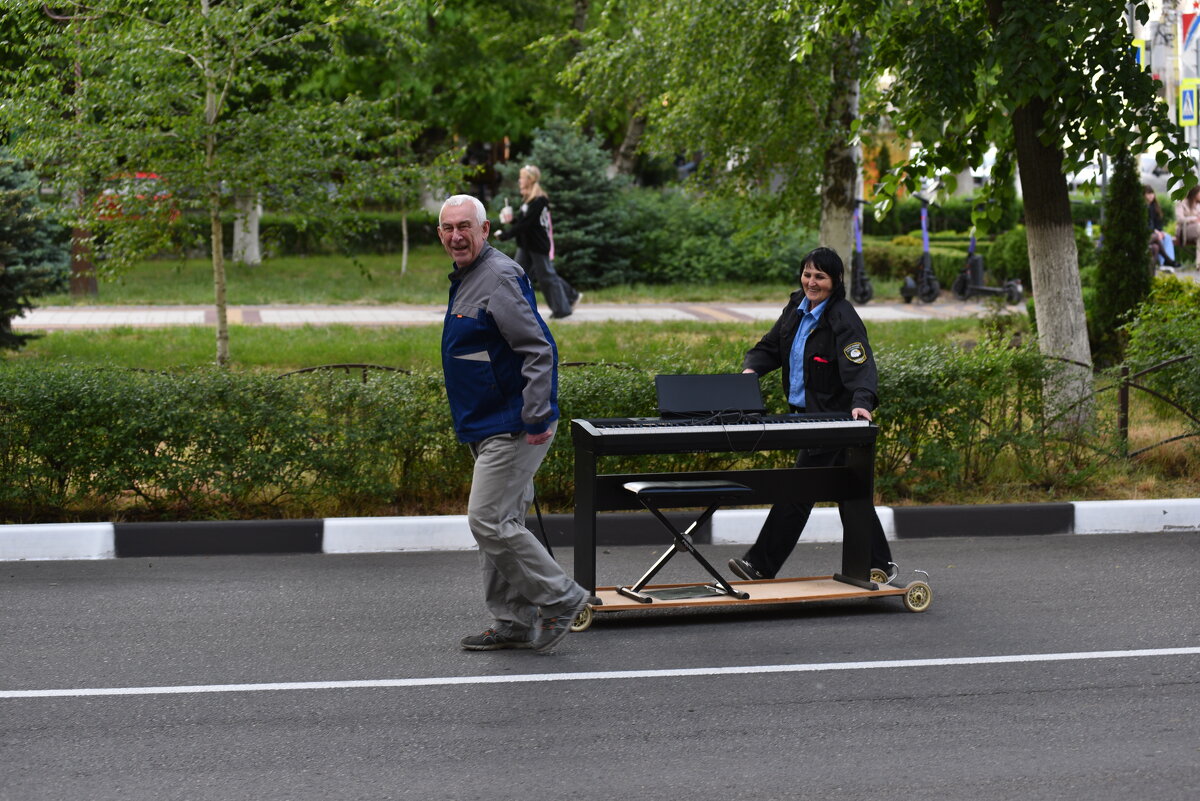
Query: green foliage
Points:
[1008, 256]
[745, 83]
[213, 444]
[1166, 326]
[952, 214]
[466, 69]
[34, 253]
[1123, 275]
[679, 238]
[210, 99]
[971, 64]
[592, 239]
[902, 255]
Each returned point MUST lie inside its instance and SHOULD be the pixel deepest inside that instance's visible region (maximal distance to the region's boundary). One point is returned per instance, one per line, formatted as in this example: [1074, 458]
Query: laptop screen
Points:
[708, 395]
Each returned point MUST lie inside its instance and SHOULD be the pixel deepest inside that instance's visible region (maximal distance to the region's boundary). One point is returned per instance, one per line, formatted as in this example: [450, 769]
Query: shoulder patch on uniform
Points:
[855, 352]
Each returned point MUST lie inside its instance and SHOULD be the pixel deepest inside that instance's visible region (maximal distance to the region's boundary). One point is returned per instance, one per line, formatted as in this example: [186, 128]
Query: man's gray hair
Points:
[458, 200]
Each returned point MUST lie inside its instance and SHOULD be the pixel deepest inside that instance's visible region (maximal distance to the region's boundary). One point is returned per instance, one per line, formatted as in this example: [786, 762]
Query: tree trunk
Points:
[579, 23]
[83, 269]
[1054, 267]
[218, 265]
[841, 163]
[214, 196]
[626, 157]
[404, 243]
[248, 210]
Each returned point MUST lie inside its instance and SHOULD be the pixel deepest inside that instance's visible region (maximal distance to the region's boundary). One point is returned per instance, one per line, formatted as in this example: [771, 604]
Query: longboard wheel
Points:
[918, 597]
[584, 619]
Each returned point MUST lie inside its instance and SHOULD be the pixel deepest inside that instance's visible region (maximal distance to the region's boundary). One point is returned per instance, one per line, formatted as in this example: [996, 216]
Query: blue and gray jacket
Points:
[499, 359]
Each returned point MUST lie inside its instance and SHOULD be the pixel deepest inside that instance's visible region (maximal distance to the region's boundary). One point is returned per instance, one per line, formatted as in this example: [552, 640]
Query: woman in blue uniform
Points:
[820, 345]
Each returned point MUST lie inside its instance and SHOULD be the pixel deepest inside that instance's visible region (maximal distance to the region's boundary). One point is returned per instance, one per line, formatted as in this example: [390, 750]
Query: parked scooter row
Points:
[924, 285]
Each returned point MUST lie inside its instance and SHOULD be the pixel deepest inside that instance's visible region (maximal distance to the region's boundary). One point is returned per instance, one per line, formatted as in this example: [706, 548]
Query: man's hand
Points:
[539, 439]
[860, 414]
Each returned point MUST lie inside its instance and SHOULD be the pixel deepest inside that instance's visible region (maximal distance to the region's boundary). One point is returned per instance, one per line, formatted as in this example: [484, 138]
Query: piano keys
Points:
[632, 435]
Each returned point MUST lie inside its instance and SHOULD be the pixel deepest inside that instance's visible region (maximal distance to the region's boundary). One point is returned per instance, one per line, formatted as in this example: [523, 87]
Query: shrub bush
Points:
[953, 215]
[112, 444]
[1119, 286]
[680, 238]
[902, 255]
[1166, 326]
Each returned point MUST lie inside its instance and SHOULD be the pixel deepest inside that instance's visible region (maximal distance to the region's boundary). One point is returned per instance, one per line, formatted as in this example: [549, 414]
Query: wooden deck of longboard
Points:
[768, 591]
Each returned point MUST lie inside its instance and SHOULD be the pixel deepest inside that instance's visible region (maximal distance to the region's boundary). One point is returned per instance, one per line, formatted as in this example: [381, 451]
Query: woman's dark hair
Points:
[829, 262]
[1153, 203]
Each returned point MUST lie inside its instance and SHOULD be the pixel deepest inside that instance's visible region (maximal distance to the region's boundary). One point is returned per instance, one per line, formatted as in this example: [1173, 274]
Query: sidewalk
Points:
[66, 318]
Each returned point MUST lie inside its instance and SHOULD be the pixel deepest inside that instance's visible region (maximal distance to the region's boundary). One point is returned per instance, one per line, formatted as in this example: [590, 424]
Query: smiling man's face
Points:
[461, 234]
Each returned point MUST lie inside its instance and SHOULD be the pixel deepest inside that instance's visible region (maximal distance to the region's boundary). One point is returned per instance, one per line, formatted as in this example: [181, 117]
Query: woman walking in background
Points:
[534, 233]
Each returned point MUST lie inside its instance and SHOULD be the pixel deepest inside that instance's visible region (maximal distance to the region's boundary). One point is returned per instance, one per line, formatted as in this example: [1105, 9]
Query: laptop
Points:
[708, 395]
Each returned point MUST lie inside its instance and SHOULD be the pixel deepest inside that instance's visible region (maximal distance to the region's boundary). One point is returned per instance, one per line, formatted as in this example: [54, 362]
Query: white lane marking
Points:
[442, 681]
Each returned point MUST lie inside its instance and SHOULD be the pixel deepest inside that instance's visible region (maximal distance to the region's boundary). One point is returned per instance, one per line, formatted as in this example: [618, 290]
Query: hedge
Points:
[901, 257]
[118, 444]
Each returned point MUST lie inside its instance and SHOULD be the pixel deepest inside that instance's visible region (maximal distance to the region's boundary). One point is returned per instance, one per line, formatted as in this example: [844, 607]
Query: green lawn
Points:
[269, 348]
[365, 280]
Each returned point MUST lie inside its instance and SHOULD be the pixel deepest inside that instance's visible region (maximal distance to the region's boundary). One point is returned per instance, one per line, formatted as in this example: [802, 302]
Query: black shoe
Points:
[551, 630]
[745, 570]
[494, 640]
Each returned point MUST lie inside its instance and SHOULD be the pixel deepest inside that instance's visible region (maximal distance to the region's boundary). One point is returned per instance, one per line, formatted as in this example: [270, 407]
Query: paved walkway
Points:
[61, 318]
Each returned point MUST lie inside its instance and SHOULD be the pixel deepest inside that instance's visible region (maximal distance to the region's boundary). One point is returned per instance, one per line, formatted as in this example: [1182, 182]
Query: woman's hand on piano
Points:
[860, 414]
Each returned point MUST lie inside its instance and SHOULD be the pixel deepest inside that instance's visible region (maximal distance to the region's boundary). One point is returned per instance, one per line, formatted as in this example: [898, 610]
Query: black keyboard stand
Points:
[657, 494]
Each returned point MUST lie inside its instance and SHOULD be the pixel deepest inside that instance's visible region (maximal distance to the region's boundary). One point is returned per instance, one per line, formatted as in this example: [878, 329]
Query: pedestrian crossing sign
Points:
[1139, 52]
[1187, 101]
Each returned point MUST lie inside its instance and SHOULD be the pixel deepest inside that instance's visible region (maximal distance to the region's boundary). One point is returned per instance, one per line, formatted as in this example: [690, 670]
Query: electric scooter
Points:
[969, 282]
[861, 290]
[925, 286]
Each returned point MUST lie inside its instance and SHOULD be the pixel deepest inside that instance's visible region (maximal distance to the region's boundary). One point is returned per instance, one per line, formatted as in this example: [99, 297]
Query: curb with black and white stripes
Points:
[450, 532]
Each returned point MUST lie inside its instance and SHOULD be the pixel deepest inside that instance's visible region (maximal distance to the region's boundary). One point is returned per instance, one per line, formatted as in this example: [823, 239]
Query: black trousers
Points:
[785, 523]
[560, 296]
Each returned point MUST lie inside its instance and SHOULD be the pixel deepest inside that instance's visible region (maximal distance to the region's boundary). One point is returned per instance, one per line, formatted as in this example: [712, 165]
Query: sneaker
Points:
[578, 297]
[745, 570]
[551, 630]
[494, 640]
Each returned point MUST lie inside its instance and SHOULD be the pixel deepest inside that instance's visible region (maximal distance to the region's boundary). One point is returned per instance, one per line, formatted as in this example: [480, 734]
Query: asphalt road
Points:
[801, 701]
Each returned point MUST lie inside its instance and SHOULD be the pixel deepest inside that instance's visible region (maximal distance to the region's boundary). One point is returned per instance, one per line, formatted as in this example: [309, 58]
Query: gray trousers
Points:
[519, 575]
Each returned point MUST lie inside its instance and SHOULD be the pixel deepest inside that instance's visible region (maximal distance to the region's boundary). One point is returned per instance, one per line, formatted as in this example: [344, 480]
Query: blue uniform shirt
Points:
[808, 321]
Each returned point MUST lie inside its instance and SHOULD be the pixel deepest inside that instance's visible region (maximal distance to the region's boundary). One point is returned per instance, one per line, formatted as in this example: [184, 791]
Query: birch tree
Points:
[208, 95]
[767, 90]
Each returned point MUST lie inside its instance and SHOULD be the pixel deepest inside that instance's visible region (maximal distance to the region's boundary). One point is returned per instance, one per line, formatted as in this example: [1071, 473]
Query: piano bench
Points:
[657, 495]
